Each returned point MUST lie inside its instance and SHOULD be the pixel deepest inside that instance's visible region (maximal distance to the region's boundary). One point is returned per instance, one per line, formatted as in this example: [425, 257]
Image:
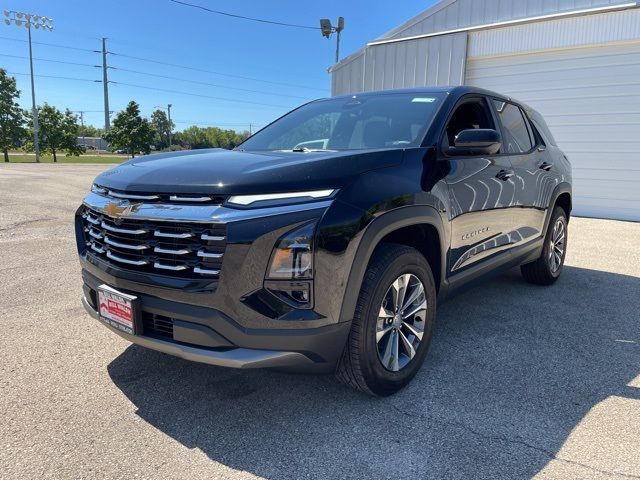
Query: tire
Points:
[361, 365]
[548, 267]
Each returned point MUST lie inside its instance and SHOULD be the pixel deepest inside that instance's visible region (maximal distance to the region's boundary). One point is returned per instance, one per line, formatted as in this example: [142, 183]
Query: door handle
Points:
[545, 166]
[505, 174]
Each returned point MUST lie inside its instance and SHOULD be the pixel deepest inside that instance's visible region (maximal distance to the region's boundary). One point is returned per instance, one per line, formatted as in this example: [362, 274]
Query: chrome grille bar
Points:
[203, 254]
[95, 248]
[128, 246]
[91, 219]
[159, 233]
[126, 260]
[172, 251]
[96, 235]
[131, 196]
[111, 228]
[164, 266]
[178, 198]
[216, 238]
[205, 271]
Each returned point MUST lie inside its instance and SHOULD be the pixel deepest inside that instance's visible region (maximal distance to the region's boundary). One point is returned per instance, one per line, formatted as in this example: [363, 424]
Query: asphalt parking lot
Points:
[520, 380]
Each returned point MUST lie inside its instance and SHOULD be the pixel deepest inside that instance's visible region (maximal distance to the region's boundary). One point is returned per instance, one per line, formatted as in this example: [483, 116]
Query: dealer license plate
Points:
[117, 309]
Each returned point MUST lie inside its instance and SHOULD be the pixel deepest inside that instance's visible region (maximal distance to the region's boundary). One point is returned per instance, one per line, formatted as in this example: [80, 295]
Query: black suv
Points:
[323, 241]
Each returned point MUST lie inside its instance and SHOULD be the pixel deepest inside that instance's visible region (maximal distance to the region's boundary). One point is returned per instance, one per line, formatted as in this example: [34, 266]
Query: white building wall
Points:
[583, 75]
[414, 63]
[451, 14]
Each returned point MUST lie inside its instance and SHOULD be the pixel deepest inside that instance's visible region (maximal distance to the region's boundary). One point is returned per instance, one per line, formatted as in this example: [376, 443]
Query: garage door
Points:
[590, 97]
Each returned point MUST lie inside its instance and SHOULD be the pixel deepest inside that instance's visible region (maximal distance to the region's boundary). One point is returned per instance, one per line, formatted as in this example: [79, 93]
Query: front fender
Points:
[370, 239]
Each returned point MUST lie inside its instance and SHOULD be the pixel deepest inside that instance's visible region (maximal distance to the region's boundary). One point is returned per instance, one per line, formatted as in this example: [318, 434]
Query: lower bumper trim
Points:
[233, 358]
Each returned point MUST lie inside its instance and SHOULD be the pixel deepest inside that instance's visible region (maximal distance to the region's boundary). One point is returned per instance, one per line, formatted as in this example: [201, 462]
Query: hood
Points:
[218, 171]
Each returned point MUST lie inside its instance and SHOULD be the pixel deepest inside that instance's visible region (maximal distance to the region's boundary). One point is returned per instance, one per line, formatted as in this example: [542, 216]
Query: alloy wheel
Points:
[557, 245]
[401, 322]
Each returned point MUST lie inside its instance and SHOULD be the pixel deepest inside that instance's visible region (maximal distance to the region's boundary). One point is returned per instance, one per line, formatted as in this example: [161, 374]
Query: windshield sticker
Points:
[423, 100]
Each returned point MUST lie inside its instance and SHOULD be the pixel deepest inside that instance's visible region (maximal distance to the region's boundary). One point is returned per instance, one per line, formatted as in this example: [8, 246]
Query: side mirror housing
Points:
[476, 141]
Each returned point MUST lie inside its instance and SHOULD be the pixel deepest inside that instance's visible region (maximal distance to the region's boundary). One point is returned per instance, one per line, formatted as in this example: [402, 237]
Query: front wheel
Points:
[547, 268]
[391, 328]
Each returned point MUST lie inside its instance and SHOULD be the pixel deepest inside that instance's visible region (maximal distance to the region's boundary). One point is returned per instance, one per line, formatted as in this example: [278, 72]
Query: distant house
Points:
[96, 142]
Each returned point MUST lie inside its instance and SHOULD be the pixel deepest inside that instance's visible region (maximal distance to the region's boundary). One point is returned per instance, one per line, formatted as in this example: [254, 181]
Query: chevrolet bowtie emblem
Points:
[121, 209]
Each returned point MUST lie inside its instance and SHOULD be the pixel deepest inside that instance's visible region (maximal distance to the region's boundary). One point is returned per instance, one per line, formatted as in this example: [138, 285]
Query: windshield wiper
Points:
[309, 150]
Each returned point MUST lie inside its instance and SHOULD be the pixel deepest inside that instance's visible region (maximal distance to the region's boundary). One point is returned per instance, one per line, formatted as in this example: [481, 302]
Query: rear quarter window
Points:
[518, 139]
[541, 126]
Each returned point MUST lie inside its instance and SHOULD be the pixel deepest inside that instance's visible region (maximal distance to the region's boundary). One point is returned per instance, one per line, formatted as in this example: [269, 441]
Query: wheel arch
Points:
[420, 227]
[561, 196]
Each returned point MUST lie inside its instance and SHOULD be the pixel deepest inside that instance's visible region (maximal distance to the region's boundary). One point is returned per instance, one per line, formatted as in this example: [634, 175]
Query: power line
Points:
[239, 124]
[49, 44]
[199, 95]
[242, 17]
[55, 76]
[48, 60]
[253, 79]
[206, 83]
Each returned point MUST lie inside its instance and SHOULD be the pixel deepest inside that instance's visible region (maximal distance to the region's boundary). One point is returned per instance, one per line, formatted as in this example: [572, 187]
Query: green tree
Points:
[130, 131]
[89, 131]
[163, 128]
[12, 120]
[209, 137]
[58, 131]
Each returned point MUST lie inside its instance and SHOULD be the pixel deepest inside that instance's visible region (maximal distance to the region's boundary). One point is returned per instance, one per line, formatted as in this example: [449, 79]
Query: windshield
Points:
[394, 120]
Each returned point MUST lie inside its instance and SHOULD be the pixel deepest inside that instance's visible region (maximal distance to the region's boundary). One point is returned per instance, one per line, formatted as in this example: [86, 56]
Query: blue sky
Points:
[270, 56]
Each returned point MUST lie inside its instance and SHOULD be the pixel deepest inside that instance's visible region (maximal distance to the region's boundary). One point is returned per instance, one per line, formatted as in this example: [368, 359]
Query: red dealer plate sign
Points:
[117, 309]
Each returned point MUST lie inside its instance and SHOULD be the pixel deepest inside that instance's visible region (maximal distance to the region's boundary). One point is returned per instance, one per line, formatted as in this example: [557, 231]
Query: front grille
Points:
[186, 250]
[157, 325]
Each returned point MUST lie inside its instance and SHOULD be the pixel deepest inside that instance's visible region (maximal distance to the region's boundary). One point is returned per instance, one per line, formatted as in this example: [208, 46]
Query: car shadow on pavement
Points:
[512, 369]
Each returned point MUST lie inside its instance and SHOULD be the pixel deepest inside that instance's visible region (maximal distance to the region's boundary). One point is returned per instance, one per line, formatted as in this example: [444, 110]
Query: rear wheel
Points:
[548, 267]
[391, 329]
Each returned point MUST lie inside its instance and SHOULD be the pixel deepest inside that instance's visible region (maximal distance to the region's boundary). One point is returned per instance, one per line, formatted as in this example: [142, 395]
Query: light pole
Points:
[327, 29]
[36, 21]
[169, 105]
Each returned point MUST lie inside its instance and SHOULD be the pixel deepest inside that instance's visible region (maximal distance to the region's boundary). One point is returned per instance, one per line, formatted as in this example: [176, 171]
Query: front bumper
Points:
[233, 357]
[206, 335]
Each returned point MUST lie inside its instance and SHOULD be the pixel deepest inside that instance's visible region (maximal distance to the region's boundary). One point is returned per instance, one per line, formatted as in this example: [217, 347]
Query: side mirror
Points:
[476, 141]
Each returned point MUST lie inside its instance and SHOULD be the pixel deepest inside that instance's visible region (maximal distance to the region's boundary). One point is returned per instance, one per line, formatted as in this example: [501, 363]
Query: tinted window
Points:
[357, 122]
[517, 137]
[469, 115]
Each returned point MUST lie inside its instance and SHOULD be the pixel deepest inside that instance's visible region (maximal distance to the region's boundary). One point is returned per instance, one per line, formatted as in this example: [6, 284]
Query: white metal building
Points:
[575, 61]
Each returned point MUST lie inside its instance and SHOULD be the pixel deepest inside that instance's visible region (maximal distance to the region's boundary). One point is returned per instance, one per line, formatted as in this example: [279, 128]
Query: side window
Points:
[469, 115]
[517, 137]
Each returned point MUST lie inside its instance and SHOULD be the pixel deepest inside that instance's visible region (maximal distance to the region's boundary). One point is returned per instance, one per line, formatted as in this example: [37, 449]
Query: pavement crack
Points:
[503, 438]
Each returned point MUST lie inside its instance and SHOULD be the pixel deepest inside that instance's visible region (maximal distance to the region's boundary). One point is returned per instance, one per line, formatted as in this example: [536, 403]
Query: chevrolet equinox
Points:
[324, 241]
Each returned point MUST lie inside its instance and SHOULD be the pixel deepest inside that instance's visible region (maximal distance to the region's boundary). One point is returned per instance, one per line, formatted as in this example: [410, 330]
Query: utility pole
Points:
[34, 109]
[169, 115]
[36, 21]
[250, 128]
[82, 125]
[327, 29]
[105, 84]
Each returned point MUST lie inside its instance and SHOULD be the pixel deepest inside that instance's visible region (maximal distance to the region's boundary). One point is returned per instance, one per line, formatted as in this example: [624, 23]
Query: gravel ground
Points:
[520, 380]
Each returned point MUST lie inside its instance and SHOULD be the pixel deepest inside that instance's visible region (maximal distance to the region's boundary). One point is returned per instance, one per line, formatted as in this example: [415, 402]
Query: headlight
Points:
[292, 258]
[98, 189]
[279, 198]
